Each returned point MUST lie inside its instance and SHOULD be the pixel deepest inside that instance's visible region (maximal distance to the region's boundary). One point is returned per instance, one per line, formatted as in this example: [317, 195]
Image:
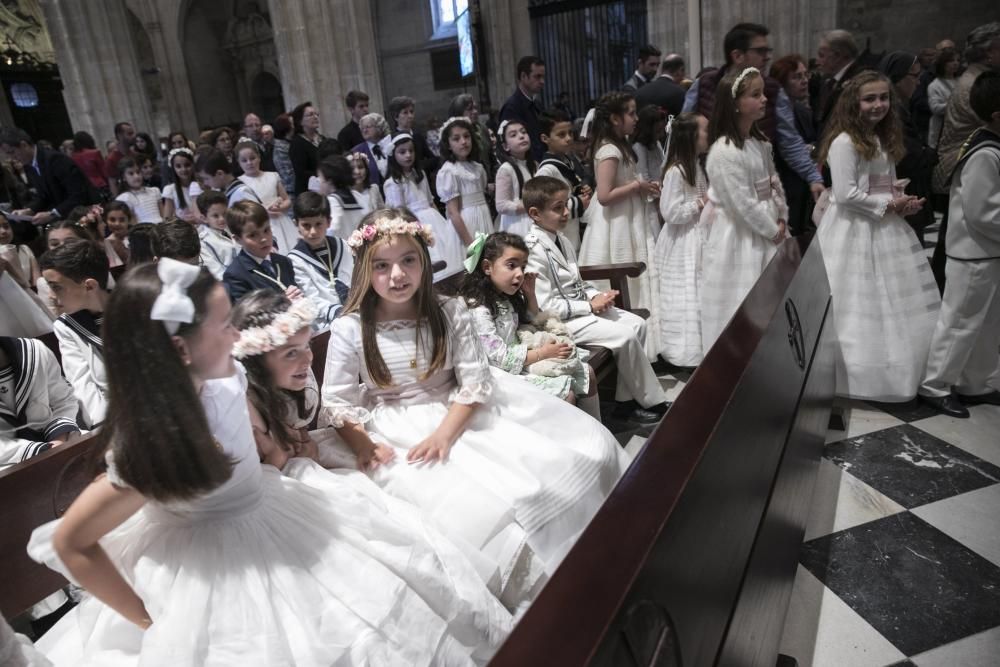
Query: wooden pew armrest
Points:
[617, 275]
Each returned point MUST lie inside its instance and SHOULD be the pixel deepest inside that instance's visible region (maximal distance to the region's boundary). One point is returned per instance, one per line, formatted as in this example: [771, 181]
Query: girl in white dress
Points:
[461, 181]
[194, 553]
[647, 142]
[885, 301]
[518, 167]
[270, 190]
[617, 225]
[678, 248]
[144, 201]
[178, 198]
[746, 213]
[407, 186]
[500, 296]
[525, 471]
[367, 195]
[18, 254]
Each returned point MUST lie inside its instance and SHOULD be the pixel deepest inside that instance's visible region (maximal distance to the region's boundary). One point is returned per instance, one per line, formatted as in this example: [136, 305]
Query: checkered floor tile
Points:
[901, 559]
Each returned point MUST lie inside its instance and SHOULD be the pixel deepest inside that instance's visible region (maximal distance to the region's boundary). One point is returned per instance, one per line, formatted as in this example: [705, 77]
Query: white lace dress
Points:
[265, 186]
[417, 197]
[620, 233]
[885, 300]
[509, 198]
[267, 570]
[678, 263]
[529, 470]
[468, 181]
[746, 201]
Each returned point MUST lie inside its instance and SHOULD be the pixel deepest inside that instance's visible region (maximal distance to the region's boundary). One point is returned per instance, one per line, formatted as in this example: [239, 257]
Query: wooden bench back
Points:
[32, 493]
[691, 559]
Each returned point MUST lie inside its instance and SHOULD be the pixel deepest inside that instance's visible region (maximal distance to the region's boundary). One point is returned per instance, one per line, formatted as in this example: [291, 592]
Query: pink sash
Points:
[763, 188]
[880, 184]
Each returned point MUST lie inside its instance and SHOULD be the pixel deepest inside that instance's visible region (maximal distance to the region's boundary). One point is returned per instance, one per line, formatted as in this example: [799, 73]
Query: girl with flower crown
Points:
[179, 195]
[194, 553]
[746, 210]
[512, 471]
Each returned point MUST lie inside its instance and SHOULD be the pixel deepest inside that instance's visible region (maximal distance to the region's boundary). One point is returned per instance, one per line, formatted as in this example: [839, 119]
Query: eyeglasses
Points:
[762, 50]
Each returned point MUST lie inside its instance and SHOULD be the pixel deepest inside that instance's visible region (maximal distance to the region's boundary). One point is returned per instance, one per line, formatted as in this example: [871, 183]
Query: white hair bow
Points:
[588, 120]
[670, 132]
[173, 306]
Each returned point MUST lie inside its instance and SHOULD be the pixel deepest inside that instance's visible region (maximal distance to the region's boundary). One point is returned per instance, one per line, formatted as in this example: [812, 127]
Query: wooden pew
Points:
[32, 493]
[691, 559]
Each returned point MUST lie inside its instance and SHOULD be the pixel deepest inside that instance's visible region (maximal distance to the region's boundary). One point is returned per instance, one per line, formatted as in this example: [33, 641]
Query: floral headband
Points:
[744, 74]
[358, 155]
[180, 151]
[258, 340]
[389, 227]
[451, 121]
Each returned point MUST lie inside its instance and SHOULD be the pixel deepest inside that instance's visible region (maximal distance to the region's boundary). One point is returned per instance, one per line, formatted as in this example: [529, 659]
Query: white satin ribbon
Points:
[173, 306]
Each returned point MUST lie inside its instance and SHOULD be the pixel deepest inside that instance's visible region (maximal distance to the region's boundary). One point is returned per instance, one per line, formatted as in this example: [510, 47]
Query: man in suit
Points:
[357, 104]
[837, 59]
[646, 67]
[663, 92]
[252, 128]
[58, 182]
[522, 107]
[377, 145]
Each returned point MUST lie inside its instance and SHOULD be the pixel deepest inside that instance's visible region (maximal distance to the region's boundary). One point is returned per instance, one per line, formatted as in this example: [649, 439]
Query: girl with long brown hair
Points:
[885, 301]
[512, 471]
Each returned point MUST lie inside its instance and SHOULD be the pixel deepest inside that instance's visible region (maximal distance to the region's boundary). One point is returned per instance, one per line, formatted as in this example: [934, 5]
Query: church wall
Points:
[925, 24]
[213, 81]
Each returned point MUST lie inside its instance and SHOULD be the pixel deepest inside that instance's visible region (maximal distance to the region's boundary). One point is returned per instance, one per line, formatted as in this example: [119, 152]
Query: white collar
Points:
[840, 75]
[640, 77]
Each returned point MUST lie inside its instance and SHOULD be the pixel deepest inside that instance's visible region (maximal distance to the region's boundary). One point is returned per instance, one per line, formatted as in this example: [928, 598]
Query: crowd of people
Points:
[406, 506]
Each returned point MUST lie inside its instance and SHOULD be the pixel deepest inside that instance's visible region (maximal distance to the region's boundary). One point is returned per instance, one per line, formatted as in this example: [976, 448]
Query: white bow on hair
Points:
[588, 120]
[173, 306]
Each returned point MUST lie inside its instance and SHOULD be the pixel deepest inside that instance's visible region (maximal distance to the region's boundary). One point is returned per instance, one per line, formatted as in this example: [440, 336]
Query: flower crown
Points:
[358, 155]
[451, 121]
[180, 151]
[389, 227]
[739, 79]
[258, 340]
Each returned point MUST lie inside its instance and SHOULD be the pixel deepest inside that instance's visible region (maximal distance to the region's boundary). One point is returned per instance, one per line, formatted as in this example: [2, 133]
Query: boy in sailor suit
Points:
[963, 351]
[323, 264]
[77, 274]
[588, 313]
[37, 406]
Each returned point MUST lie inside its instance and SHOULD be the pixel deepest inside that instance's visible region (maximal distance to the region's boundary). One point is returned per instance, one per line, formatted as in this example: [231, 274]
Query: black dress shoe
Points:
[659, 408]
[644, 416]
[948, 405]
[990, 398]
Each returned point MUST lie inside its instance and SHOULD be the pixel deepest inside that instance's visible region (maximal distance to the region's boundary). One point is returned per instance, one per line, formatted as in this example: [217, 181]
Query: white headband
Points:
[400, 138]
[180, 151]
[588, 120]
[173, 306]
[744, 74]
[453, 119]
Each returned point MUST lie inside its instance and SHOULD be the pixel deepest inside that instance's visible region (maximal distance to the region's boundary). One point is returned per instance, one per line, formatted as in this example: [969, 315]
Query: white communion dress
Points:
[265, 186]
[448, 247]
[466, 180]
[529, 470]
[267, 570]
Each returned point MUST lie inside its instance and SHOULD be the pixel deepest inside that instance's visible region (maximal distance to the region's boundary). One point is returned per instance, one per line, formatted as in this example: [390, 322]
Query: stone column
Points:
[161, 19]
[326, 48]
[508, 35]
[98, 65]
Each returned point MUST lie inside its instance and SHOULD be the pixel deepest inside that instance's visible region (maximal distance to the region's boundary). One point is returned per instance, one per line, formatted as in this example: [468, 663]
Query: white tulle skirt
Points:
[338, 575]
[678, 263]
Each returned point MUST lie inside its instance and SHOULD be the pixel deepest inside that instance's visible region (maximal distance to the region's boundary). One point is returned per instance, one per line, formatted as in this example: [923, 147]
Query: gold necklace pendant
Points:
[413, 363]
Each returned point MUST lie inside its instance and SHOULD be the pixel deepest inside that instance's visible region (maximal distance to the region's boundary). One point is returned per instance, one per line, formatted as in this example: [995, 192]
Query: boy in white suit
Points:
[963, 353]
[589, 313]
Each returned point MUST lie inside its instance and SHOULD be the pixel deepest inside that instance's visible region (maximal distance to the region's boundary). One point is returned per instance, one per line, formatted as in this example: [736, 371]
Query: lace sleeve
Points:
[678, 200]
[472, 368]
[341, 392]
[729, 172]
[506, 357]
[508, 201]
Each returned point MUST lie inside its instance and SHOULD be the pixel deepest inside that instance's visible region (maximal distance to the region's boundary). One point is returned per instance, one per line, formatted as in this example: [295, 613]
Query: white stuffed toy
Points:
[548, 328]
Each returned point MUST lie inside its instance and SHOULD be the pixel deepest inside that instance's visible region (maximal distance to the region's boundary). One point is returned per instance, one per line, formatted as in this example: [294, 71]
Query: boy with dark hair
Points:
[561, 163]
[323, 264]
[77, 274]
[256, 266]
[214, 170]
[357, 105]
[218, 249]
[963, 355]
[589, 313]
[177, 239]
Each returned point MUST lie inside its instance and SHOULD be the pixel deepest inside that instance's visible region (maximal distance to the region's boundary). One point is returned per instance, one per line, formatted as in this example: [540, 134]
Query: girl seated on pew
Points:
[195, 553]
[525, 471]
[501, 296]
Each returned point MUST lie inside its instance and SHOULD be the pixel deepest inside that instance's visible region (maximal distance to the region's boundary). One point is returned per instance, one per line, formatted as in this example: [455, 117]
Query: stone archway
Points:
[266, 99]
